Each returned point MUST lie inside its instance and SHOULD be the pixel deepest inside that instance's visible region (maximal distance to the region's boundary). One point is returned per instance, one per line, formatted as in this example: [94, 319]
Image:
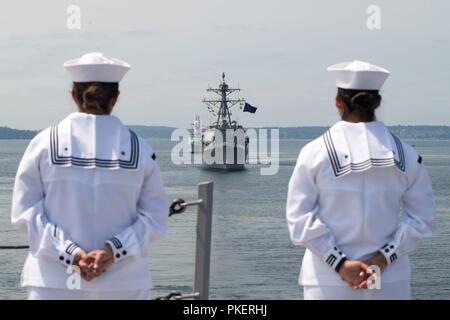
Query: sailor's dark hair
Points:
[361, 103]
[95, 97]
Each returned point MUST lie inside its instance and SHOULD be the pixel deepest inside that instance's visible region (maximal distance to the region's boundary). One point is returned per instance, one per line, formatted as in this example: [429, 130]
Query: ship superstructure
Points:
[224, 144]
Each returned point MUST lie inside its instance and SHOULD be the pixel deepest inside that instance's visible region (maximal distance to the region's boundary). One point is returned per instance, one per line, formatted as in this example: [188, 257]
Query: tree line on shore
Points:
[159, 132]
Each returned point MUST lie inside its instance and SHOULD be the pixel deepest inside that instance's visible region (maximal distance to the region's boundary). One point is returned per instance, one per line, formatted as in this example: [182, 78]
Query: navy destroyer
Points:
[224, 143]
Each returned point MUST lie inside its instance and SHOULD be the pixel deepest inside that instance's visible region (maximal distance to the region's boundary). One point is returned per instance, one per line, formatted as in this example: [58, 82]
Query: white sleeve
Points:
[151, 222]
[418, 216]
[305, 227]
[28, 213]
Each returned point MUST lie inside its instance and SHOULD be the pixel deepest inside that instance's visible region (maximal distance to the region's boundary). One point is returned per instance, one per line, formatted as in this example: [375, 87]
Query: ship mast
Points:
[224, 104]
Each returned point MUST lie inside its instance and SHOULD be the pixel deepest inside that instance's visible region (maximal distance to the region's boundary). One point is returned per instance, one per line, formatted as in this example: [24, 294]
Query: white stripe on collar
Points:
[91, 141]
[356, 147]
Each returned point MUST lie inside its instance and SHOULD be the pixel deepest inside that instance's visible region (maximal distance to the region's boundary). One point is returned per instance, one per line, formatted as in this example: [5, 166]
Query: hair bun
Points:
[366, 100]
[91, 93]
[96, 97]
[92, 96]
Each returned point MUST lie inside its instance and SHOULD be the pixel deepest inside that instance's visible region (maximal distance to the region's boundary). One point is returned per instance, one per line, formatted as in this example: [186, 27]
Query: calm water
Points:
[252, 257]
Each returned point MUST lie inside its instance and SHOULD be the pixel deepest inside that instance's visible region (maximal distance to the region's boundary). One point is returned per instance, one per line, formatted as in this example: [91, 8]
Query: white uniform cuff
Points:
[68, 255]
[119, 251]
[333, 257]
[389, 252]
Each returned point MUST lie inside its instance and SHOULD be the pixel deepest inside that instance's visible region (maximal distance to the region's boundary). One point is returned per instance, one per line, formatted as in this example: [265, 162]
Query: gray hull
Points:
[225, 157]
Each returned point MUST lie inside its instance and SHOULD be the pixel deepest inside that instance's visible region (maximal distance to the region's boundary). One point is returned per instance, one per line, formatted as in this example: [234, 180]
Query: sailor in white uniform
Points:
[359, 197]
[88, 193]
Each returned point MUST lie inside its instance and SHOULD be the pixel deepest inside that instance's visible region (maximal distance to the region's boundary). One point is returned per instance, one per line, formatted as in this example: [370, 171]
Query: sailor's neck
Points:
[357, 120]
[92, 114]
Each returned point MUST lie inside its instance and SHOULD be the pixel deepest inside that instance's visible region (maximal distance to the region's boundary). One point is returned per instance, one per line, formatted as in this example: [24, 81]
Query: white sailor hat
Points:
[358, 75]
[95, 67]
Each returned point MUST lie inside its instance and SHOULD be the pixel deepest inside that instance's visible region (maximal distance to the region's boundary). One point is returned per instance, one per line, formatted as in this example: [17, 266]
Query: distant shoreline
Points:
[423, 132]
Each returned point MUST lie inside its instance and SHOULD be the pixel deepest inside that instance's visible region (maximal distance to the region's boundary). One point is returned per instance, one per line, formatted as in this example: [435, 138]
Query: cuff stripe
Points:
[71, 248]
[331, 260]
[393, 257]
[334, 258]
[116, 243]
[388, 251]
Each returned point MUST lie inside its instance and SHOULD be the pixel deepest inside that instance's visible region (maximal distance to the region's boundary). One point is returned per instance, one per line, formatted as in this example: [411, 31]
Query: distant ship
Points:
[224, 143]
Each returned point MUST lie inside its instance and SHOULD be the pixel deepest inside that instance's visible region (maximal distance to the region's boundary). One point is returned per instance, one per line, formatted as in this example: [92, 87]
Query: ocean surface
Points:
[252, 257]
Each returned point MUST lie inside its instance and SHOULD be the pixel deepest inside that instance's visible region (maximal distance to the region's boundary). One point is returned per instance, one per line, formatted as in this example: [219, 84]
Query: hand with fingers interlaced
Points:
[355, 272]
[93, 264]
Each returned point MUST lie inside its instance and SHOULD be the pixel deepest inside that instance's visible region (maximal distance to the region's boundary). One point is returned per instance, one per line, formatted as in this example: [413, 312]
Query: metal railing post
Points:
[203, 244]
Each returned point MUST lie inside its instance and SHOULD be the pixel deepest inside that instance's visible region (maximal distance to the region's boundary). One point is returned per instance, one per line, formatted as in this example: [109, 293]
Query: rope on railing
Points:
[178, 296]
[179, 206]
[13, 247]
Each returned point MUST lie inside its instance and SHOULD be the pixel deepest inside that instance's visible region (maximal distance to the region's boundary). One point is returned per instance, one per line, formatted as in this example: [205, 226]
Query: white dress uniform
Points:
[82, 183]
[345, 197]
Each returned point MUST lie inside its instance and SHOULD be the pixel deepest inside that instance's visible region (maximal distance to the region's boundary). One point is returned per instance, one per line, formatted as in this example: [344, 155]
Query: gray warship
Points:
[224, 143]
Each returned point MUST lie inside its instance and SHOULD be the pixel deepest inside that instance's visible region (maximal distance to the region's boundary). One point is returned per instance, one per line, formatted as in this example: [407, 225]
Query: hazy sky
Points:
[276, 51]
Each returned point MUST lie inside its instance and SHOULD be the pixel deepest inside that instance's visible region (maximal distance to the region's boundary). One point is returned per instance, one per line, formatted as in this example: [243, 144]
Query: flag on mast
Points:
[249, 108]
